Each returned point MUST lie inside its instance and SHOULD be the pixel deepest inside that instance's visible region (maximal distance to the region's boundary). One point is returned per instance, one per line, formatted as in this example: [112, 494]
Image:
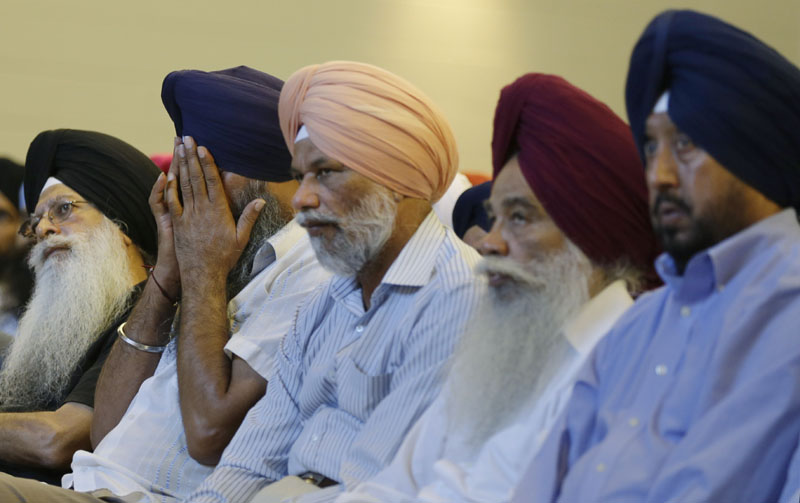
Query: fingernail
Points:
[201, 152]
[170, 177]
[182, 151]
[176, 141]
[260, 204]
[160, 176]
[187, 140]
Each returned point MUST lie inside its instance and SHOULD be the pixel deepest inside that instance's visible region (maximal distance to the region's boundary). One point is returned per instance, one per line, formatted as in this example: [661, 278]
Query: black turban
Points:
[234, 113]
[736, 97]
[470, 210]
[11, 175]
[112, 175]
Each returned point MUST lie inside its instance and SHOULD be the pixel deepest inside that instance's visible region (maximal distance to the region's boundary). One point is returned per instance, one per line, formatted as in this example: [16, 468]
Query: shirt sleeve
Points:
[258, 453]
[83, 391]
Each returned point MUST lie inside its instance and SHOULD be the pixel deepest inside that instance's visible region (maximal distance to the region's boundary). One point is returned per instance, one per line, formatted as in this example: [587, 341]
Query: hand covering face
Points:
[233, 113]
[373, 122]
[109, 173]
[736, 97]
[580, 160]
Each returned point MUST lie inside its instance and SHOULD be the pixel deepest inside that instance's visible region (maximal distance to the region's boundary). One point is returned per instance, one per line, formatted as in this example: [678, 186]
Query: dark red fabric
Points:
[581, 162]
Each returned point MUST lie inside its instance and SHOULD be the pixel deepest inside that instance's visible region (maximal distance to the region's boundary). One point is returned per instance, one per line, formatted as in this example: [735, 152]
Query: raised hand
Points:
[208, 241]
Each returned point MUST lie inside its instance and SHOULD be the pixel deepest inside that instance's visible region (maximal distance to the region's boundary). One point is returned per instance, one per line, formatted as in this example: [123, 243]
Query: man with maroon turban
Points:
[569, 206]
[363, 358]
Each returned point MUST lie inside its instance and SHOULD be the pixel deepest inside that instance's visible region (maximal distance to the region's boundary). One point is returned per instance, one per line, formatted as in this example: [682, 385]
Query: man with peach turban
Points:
[364, 355]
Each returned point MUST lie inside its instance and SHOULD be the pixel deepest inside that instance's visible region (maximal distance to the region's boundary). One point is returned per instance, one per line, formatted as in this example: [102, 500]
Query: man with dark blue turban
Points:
[694, 395]
[169, 400]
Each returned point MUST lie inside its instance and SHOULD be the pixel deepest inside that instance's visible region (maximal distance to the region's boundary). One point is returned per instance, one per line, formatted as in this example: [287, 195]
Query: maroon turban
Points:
[580, 160]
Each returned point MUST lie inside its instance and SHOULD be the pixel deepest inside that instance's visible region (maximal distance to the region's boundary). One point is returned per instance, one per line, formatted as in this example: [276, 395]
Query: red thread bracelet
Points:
[163, 292]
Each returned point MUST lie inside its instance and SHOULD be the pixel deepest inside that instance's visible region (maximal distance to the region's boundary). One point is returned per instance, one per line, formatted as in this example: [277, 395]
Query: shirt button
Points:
[634, 422]
[661, 370]
[360, 328]
[600, 467]
[314, 437]
[686, 311]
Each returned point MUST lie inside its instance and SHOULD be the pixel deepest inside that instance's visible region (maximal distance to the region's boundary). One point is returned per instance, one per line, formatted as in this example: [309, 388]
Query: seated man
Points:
[93, 231]
[163, 419]
[556, 258]
[16, 280]
[363, 357]
[694, 395]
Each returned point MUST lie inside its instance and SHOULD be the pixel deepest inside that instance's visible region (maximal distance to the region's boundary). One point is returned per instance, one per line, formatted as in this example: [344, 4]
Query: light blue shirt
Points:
[350, 383]
[694, 396]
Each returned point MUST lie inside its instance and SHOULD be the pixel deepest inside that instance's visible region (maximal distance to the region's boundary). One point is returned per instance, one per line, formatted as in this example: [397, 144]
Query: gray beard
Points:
[513, 346]
[360, 236]
[76, 297]
[271, 219]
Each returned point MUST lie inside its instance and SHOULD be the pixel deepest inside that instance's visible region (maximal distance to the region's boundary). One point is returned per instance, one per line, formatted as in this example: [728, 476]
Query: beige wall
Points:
[95, 64]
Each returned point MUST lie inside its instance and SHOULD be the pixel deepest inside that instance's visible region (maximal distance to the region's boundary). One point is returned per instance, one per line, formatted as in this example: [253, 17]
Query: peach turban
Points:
[373, 122]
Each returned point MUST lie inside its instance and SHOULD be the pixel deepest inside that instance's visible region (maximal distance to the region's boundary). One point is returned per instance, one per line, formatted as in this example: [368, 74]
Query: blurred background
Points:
[92, 64]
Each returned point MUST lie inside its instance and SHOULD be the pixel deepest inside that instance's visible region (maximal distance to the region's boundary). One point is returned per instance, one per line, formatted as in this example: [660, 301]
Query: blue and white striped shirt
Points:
[350, 383]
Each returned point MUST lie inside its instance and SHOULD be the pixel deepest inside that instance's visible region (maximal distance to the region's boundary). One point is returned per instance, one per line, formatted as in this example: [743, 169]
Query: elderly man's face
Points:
[9, 224]
[522, 230]
[348, 217]
[694, 201]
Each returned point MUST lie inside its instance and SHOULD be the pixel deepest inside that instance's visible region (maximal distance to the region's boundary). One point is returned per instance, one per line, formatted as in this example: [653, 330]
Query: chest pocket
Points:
[359, 393]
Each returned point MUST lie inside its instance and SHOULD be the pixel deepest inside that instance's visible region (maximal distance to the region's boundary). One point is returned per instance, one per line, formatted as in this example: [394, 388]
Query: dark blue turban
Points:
[233, 113]
[470, 211]
[109, 173]
[736, 97]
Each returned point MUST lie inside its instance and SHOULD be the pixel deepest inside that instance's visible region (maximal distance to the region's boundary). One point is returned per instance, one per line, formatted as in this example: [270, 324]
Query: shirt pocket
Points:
[360, 392]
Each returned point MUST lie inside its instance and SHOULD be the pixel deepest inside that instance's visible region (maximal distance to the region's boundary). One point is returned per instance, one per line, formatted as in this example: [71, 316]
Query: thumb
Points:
[247, 220]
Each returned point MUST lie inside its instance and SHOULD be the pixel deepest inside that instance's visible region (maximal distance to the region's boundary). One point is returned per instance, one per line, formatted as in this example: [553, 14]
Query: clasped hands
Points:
[198, 239]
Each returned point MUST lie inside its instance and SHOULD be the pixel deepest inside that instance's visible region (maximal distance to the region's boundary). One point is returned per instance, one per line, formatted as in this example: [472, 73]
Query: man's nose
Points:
[493, 242]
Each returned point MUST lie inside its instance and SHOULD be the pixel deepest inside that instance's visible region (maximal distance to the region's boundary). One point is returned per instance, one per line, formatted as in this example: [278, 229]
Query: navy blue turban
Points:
[109, 173]
[470, 211]
[11, 175]
[233, 113]
[736, 97]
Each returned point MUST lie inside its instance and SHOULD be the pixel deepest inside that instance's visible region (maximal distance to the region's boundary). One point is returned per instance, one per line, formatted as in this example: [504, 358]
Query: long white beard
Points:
[514, 345]
[361, 233]
[77, 295]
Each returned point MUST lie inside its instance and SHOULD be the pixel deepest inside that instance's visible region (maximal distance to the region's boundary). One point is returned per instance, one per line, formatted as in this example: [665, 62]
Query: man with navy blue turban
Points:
[694, 395]
[175, 388]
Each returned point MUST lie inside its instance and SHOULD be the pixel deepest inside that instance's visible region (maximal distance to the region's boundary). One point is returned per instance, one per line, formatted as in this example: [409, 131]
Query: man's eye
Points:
[650, 148]
[62, 210]
[683, 143]
[518, 218]
[322, 173]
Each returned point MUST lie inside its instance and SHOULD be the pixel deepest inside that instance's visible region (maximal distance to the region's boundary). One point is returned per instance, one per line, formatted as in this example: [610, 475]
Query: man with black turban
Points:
[168, 401]
[88, 195]
[694, 395]
[16, 280]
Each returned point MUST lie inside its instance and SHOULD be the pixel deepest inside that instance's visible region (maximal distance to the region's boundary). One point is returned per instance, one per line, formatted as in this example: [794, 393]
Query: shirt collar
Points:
[414, 266]
[597, 316]
[277, 246]
[716, 266]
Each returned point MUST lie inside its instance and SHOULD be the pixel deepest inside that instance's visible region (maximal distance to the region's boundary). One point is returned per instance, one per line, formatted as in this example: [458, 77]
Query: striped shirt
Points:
[147, 451]
[350, 383]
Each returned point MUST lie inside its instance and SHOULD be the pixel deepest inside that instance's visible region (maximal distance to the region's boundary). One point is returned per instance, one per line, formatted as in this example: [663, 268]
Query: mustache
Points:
[318, 217]
[665, 197]
[508, 267]
[37, 255]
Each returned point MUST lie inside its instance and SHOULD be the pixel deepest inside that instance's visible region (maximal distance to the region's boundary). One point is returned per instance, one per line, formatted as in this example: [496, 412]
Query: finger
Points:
[183, 177]
[247, 220]
[195, 171]
[211, 174]
[156, 198]
[173, 201]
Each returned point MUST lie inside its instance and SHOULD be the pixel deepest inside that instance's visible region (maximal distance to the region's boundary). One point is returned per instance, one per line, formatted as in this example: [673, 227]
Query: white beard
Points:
[513, 346]
[361, 235]
[77, 294]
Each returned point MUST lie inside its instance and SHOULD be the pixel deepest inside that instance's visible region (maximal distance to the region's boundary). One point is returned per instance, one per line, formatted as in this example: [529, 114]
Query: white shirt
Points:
[419, 472]
[147, 451]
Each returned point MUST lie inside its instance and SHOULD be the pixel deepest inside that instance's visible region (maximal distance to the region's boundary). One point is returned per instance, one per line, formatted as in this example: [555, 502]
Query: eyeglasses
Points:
[58, 213]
